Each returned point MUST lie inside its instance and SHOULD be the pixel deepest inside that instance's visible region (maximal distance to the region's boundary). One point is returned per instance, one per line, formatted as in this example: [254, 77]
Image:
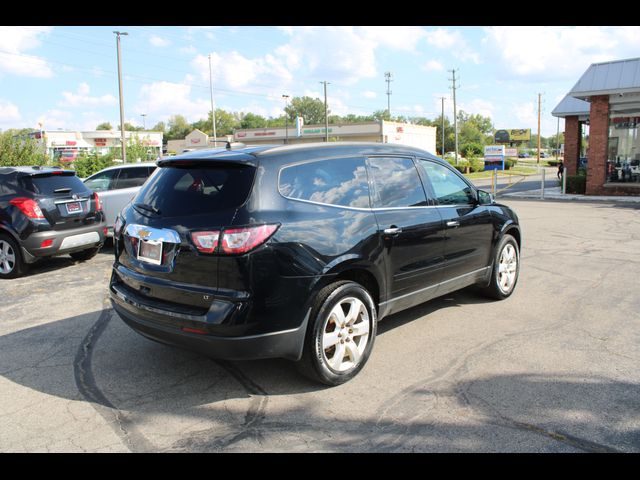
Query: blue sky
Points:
[66, 77]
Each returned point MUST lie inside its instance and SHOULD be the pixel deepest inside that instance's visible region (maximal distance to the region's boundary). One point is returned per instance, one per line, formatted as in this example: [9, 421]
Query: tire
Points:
[506, 269]
[84, 255]
[11, 263]
[334, 352]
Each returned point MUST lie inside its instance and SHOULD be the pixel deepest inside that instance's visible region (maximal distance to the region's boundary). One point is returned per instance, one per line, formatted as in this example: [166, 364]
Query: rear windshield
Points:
[192, 191]
[53, 184]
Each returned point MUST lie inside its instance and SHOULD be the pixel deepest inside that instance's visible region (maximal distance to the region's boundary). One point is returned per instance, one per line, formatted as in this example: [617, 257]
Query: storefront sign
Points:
[625, 122]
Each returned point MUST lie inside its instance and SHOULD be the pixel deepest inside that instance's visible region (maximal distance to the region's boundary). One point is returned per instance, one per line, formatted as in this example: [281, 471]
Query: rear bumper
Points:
[166, 326]
[64, 241]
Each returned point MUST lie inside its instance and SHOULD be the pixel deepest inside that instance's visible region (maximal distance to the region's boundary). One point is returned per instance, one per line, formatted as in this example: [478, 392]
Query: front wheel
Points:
[341, 333]
[11, 263]
[506, 269]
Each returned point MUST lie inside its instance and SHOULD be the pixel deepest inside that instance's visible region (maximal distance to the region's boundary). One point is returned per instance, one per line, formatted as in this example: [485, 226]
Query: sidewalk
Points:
[555, 193]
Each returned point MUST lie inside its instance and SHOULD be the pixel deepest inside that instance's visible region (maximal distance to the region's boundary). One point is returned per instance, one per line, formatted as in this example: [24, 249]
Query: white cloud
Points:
[478, 106]
[157, 41]
[9, 115]
[164, 99]
[433, 66]
[550, 53]
[453, 41]
[369, 94]
[14, 42]
[83, 99]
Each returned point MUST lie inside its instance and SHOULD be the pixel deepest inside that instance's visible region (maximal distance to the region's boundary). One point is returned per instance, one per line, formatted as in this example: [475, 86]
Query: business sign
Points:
[513, 135]
[490, 150]
[511, 152]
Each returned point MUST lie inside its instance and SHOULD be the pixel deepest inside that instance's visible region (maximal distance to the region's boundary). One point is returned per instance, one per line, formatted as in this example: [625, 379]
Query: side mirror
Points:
[485, 198]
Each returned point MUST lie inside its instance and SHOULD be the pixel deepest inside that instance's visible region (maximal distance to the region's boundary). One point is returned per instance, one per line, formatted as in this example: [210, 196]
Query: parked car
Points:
[117, 186]
[298, 251]
[523, 155]
[46, 211]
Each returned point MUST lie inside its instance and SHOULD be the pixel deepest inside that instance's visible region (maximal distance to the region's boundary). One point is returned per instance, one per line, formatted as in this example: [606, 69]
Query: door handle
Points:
[453, 224]
[392, 231]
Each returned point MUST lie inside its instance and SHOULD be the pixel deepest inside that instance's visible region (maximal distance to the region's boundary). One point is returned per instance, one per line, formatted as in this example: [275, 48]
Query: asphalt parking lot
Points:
[554, 368]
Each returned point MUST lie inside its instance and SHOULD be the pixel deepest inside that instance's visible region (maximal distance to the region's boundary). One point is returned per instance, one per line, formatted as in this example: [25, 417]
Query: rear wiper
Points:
[148, 208]
[62, 190]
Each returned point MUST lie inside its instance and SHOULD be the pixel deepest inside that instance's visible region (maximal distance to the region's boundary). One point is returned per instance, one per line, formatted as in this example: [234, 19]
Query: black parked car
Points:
[298, 251]
[46, 211]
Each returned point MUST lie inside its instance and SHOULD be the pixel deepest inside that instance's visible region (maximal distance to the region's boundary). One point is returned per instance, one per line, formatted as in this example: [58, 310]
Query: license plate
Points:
[74, 207]
[150, 251]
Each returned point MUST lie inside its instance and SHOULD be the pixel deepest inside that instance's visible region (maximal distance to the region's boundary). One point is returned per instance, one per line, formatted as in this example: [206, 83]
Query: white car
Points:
[117, 185]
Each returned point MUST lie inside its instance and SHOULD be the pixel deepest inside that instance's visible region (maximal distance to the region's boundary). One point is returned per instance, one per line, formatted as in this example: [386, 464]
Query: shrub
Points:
[476, 164]
[509, 163]
[553, 163]
[576, 184]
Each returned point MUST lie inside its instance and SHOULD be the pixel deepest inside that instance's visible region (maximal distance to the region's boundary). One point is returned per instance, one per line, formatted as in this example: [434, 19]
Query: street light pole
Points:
[144, 123]
[122, 139]
[326, 117]
[286, 119]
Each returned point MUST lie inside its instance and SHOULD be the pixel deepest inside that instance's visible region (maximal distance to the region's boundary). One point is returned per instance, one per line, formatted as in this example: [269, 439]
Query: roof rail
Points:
[233, 145]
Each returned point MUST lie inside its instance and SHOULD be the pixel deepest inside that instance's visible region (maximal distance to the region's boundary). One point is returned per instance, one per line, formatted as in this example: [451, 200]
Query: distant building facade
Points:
[68, 144]
[607, 99]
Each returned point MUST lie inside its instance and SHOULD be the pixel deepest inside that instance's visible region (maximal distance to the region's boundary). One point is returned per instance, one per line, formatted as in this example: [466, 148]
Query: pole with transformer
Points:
[122, 139]
[213, 111]
[442, 99]
[539, 103]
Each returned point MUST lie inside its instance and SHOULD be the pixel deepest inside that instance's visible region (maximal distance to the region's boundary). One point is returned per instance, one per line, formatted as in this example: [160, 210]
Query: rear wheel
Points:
[341, 333]
[11, 263]
[506, 269]
[83, 255]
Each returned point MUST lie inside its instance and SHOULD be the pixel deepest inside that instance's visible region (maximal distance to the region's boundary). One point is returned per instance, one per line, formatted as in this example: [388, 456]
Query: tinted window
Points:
[447, 186]
[340, 181]
[192, 191]
[52, 184]
[396, 183]
[102, 181]
[132, 177]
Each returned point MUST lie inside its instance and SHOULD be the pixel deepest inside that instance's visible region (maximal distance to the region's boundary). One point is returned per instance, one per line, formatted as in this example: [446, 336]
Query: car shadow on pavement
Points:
[141, 381]
[50, 264]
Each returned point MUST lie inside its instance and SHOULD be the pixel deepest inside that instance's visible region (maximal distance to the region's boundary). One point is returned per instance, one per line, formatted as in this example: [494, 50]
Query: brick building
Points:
[607, 99]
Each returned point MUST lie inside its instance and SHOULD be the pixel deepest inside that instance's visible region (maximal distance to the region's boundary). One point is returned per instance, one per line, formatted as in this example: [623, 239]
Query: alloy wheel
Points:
[507, 268]
[345, 334]
[7, 258]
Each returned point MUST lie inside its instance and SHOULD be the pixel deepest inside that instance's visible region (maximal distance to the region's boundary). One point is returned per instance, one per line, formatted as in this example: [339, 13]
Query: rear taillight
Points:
[28, 206]
[241, 240]
[97, 199]
[232, 240]
[206, 242]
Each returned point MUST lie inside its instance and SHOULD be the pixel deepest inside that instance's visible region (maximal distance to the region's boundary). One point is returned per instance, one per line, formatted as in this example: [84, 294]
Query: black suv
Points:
[46, 211]
[298, 251]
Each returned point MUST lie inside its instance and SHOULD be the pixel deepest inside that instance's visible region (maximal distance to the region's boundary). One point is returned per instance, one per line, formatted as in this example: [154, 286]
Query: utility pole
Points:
[286, 119]
[455, 111]
[326, 116]
[144, 123]
[213, 110]
[442, 99]
[387, 76]
[539, 104]
[122, 139]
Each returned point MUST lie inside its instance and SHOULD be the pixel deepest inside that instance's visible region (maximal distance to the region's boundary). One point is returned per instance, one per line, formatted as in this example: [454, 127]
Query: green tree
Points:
[226, 122]
[16, 150]
[251, 120]
[310, 109]
[104, 126]
[178, 127]
[159, 127]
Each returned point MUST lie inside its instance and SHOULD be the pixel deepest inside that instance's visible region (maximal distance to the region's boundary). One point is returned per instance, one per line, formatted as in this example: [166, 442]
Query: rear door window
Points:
[51, 184]
[339, 181]
[132, 177]
[192, 191]
[396, 183]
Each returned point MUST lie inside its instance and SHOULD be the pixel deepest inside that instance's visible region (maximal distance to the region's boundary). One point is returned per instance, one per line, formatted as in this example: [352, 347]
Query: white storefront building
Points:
[67, 144]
